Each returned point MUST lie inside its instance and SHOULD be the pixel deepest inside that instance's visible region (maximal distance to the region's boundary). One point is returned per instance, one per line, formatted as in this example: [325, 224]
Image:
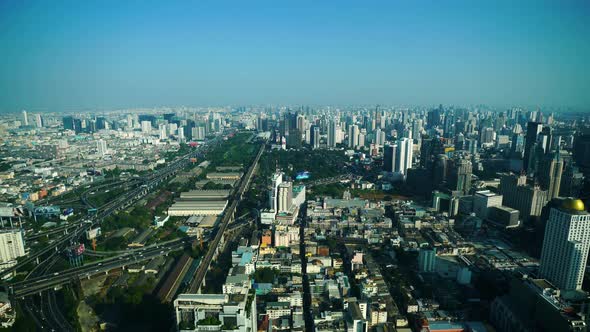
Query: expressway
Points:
[117, 204]
[45, 282]
[197, 281]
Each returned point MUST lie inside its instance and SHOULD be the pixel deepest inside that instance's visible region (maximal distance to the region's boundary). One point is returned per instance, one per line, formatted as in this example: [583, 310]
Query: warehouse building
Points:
[204, 195]
[224, 176]
[197, 208]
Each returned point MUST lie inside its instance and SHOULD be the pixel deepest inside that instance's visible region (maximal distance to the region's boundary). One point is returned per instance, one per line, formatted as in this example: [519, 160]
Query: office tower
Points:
[403, 159]
[426, 260]
[527, 199]
[162, 131]
[332, 134]
[389, 155]
[101, 123]
[276, 180]
[12, 245]
[461, 176]
[572, 181]
[483, 200]
[566, 245]
[581, 150]
[487, 135]
[440, 170]
[434, 117]
[517, 144]
[181, 137]
[533, 129]
[146, 126]
[285, 196]
[550, 175]
[430, 148]
[315, 137]
[39, 121]
[101, 147]
[68, 122]
[25, 118]
[129, 121]
[544, 139]
[361, 139]
[417, 128]
[353, 136]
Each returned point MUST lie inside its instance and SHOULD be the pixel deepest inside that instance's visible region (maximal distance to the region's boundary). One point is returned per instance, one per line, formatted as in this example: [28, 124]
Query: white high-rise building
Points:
[404, 156]
[353, 136]
[101, 147]
[38, 120]
[566, 245]
[146, 126]
[181, 138]
[12, 246]
[162, 131]
[129, 121]
[276, 180]
[25, 118]
[285, 195]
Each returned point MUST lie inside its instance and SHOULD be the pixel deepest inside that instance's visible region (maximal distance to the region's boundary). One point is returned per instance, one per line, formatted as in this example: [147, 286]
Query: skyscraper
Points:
[25, 118]
[462, 176]
[550, 175]
[332, 134]
[315, 137]
[39, 121]
[403, 159]
[389, 155]
[11, 245]
[276, 180]
[566, 245]
[353, 136]
[527, 199]
[533, 129]
[285, 195]
[68, 122]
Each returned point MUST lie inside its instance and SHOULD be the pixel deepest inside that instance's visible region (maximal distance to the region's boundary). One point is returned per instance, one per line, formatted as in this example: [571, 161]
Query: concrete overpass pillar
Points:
[37, 260]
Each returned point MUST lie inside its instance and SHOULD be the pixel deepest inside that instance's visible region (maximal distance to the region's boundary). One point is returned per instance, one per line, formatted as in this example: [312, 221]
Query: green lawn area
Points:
[320, 163]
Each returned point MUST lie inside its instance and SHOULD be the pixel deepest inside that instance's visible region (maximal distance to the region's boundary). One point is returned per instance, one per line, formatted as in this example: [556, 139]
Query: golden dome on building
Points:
[573, 204]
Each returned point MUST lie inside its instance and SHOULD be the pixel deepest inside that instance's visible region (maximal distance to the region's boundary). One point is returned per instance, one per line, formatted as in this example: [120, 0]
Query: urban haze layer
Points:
[295, 218]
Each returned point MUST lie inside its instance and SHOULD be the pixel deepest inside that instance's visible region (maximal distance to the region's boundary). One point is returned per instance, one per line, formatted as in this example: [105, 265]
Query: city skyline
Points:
[73, 56]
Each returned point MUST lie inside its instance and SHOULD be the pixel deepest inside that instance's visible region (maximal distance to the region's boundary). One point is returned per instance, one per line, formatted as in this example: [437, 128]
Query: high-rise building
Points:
[461, 176]
[353, 136]
[566, 245]
[101, 147]
[315, 137]
[483, 201]
[533, 130]
[68, 122]
[146, 126]
[39, 121]
[12, 245]
[332, 134]
[389, 155]
[285, 196]
[276, 180]
[403, 160]
[25, 118]
[527, 199]
[427, 259]
[550, 175]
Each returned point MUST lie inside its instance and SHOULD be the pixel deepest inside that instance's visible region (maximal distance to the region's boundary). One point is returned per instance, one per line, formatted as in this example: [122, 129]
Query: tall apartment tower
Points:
[285, 195]
[315, 137]
[25, 118]
[353, 136]
[277, 179]
[566, 245]
[332, 134]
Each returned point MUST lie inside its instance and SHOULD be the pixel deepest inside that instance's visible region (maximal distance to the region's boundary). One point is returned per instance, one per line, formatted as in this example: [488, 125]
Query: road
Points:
[44, 282]
[196, 283]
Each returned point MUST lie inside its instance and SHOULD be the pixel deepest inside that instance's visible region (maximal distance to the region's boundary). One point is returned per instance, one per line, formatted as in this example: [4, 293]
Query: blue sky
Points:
[67, 55]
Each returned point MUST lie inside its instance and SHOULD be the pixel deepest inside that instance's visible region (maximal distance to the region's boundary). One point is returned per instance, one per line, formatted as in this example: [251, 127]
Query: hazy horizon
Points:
[110, 55]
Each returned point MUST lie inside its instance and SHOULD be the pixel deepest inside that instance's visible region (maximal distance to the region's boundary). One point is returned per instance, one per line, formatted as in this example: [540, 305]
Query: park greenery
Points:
[321, 164]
